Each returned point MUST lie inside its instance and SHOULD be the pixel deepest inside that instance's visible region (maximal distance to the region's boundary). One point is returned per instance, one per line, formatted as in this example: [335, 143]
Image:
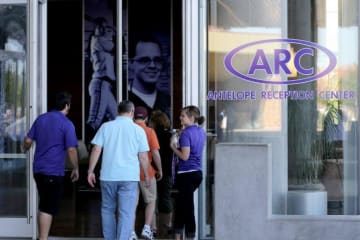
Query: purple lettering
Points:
[281, 63]
[297, 59]
[263, 65]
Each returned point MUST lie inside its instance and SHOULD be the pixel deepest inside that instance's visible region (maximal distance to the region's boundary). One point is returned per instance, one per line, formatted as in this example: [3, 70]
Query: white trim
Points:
[32, 103]
[191, 52]
[12, 2]
[119, 34]
[284, 119]
[203, 63]
[83, 88]
[37, 86]
[72, 238]
[12, 155]
[32, 92]
[42, 47]
[203, 226]
[191, 69]
[15, 228]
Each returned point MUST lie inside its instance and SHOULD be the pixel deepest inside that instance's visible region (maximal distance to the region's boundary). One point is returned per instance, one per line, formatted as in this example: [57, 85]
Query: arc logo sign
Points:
[282, 57]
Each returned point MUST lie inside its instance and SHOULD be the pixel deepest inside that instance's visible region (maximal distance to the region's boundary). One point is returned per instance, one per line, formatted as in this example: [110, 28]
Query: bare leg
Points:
[165, 223]
[149, 213]
[45, 220]
[168, 219]
[177, 236]
[154, 223]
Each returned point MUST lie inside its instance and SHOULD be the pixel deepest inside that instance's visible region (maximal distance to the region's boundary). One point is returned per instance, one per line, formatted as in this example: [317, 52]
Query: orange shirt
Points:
[153, 145]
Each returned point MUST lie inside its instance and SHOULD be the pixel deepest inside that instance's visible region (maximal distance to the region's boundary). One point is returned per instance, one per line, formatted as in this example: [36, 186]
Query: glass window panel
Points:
[13, 183]
[322, 153]
[313, 135]
[246, 111]
[233, 23]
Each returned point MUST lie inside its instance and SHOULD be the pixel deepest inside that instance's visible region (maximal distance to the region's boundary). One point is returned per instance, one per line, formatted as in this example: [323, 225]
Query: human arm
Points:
[144, 163]
[94, 157]
[157, 160]
[100, 48]
[154, 148]
[183, 153]
[73, 157]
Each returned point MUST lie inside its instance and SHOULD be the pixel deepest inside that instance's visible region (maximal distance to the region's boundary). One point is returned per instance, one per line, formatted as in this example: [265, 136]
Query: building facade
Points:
[275, 79]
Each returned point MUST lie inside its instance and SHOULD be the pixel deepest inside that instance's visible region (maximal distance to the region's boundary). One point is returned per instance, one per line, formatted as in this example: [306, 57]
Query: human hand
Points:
[159, 175]
[74, 175]
[91, 179]
[174, 141]
[147, 181]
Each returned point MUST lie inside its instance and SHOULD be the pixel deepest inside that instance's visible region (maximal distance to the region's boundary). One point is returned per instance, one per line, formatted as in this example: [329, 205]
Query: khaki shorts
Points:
[148, 193]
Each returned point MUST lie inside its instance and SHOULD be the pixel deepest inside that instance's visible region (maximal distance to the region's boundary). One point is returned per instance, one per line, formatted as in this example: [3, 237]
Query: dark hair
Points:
[61, 100]
[14, 18]
[4, 31]
[125, 106]
[141, 38]
[159, 120]
[100, 23]
[193, 111]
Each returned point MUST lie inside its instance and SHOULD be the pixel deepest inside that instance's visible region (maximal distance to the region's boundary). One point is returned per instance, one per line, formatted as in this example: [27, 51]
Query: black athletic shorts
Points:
[50, 189]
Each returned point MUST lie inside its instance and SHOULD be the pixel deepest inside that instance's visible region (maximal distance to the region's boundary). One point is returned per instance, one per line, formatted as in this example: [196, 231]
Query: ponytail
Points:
[200, 120]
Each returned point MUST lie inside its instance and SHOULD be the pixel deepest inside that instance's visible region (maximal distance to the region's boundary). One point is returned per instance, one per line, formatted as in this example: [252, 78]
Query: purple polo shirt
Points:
[194, 137]
[53, 133]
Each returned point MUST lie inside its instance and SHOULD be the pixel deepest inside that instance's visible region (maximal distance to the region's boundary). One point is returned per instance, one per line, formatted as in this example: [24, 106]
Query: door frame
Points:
[37, 82]
[35, 90]
[194, 82]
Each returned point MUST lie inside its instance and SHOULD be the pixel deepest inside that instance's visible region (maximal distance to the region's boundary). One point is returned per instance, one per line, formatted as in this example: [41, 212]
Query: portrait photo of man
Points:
[146, 63]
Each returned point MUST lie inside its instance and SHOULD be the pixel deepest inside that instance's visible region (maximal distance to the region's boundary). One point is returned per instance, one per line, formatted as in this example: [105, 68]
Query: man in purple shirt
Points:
[55, 137]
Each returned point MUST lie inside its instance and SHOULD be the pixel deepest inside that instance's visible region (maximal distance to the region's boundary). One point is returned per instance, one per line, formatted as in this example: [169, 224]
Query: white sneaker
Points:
[147, 233]
[133, 236]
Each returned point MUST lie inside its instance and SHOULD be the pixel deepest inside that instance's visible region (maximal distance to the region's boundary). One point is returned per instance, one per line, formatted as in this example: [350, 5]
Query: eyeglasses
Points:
[145, 61]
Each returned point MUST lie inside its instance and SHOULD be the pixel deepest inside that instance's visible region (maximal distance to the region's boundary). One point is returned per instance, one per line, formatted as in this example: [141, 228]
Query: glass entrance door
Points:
[15, 179]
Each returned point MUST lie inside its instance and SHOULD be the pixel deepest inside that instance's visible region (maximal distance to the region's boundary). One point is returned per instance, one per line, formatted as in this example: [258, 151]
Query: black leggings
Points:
[186, 184]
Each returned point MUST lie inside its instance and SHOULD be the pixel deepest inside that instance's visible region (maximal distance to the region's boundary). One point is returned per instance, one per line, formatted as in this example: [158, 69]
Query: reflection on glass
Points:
[322, 152]
[242, 115]
[314, 137]
[247, 108]
[13, 184]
